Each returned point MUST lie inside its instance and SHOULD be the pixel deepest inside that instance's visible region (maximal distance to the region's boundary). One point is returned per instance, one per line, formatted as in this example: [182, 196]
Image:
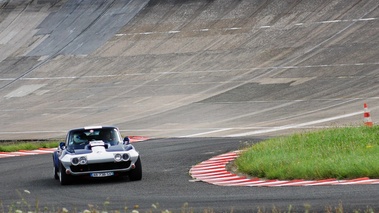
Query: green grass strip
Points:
[27, 145]
[341, 153]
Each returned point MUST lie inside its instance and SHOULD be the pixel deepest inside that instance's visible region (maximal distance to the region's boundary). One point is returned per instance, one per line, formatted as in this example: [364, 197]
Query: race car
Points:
[96, 152]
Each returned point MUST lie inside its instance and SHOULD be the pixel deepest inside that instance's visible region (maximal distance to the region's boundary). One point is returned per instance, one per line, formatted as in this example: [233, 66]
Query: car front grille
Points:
[100, 166]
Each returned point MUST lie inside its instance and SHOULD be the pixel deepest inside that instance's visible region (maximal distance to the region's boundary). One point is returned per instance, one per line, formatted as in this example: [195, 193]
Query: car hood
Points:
[115, 148]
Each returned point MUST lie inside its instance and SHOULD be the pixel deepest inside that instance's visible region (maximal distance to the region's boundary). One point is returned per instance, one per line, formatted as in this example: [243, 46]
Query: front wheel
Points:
[55, 167]
[136, 173]
[64, 178]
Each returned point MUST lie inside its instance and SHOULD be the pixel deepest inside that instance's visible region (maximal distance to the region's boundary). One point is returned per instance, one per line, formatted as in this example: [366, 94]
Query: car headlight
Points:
[75, 161]
[117, 157]
[125, 157]
[82, 160]
[121, 157]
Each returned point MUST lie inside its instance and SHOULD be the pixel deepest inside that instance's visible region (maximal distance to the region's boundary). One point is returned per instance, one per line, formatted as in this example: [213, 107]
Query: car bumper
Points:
[94, 168]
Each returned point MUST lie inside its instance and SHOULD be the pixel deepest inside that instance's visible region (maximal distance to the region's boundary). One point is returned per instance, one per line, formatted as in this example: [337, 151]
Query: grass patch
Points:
[13, 146]
[341, 153]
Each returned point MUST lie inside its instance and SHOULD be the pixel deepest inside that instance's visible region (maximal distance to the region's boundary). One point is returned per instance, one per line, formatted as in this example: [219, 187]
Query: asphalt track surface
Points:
[204, 72]
[166, 182]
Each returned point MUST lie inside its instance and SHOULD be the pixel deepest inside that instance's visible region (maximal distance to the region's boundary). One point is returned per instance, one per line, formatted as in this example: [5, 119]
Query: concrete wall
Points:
[191, 68]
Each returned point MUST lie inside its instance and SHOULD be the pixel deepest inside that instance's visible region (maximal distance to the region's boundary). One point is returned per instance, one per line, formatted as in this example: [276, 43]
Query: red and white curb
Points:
[39, 151]
[214, 171]
[134, 139]
[27, 152]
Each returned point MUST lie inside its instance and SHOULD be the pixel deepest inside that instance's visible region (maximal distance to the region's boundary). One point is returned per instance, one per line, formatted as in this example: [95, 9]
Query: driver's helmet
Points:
[80, 138]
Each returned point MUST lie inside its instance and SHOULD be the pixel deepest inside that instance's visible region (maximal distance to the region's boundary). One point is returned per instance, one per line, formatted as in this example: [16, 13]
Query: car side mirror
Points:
[126, 140]
[62, 145]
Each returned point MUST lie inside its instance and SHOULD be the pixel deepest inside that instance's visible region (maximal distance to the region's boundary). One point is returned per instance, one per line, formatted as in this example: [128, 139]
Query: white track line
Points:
[294, 126]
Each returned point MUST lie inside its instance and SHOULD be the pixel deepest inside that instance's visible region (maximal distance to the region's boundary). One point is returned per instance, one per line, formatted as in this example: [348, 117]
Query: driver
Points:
[108, 136]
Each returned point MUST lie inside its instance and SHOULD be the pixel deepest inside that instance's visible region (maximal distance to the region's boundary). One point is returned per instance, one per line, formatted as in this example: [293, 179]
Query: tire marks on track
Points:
[214, 171]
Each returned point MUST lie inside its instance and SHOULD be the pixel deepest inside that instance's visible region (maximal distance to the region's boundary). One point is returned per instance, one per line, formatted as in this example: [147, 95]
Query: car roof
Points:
[94, 127]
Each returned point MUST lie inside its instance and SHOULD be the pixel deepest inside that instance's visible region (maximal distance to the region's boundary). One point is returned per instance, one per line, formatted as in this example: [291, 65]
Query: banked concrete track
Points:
[196, 69]
[191, 68]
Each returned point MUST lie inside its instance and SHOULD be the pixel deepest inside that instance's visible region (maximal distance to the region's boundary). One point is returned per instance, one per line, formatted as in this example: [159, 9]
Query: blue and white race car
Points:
[96, 152]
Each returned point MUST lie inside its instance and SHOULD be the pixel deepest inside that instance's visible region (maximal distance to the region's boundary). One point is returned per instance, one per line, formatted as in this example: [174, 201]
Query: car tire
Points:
[55, 169]
[136, 173]
[64, 178]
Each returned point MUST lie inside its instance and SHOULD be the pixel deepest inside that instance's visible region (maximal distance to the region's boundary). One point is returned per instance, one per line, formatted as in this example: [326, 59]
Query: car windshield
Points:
[80, 138]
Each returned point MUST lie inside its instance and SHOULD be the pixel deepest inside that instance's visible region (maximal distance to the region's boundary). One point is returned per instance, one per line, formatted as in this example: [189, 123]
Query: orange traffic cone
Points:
[367, 116]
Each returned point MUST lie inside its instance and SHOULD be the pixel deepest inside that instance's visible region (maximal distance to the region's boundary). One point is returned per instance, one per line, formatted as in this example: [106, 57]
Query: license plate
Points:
[102, 174]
